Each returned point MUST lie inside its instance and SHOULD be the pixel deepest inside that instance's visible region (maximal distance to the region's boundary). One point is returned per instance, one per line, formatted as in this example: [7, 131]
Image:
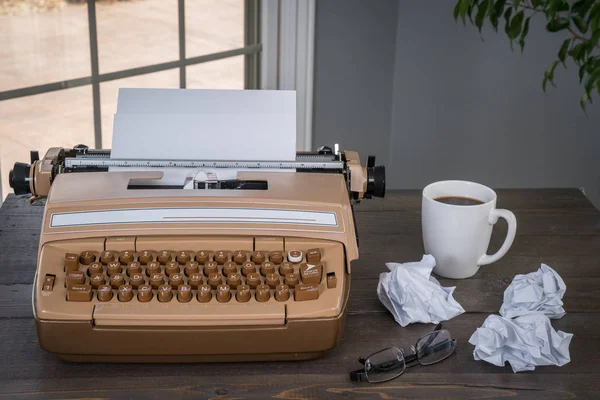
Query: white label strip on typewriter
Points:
[195, 215]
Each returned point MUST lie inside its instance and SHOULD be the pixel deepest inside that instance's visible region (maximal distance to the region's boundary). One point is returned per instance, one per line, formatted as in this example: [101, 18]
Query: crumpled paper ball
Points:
[539, 292]
[524, 342]
[411, 294]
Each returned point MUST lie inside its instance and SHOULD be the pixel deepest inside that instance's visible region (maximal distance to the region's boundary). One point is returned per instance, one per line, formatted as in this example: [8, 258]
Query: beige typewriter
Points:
[255, 268]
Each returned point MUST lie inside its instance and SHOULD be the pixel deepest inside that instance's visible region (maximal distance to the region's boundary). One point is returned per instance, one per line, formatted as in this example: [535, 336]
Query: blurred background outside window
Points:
[52, 73]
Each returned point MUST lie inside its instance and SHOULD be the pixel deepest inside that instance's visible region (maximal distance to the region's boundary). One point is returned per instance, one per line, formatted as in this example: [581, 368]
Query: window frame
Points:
[250, 51]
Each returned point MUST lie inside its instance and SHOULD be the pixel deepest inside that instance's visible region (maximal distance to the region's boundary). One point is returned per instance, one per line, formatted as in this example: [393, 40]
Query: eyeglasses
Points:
[390, 363]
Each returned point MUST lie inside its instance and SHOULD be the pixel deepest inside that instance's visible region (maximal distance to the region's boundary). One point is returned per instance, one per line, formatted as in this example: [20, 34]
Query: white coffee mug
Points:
[458, 236]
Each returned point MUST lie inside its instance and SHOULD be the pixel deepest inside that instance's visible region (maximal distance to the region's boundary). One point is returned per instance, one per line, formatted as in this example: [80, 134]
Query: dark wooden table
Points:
[557, 227]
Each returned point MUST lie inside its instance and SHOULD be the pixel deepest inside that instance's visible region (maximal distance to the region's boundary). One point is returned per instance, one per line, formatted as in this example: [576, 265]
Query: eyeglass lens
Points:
[385, 365]
[434, 347]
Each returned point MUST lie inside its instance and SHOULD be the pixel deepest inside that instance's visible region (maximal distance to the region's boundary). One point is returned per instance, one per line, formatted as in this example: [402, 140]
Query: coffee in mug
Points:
[458, 218]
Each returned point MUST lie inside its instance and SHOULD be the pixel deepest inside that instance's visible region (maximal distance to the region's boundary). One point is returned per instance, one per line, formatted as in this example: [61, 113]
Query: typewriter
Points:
[254, 268]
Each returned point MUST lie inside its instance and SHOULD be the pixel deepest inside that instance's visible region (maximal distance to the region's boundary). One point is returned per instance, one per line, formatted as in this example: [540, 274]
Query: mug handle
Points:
[510, 235]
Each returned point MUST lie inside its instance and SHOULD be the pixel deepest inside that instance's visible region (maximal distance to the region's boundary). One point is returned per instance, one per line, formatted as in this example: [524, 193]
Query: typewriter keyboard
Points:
[200, 275]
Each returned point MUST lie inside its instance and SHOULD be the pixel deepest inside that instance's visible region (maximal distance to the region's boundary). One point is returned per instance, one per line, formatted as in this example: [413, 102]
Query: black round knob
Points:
[376, 181]
[18, 178]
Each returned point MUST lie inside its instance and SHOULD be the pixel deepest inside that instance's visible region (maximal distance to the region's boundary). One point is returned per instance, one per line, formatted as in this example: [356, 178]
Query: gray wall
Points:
[403, 81]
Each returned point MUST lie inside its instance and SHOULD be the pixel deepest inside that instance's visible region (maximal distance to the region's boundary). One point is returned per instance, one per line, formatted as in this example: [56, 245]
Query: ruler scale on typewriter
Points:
[255, 267]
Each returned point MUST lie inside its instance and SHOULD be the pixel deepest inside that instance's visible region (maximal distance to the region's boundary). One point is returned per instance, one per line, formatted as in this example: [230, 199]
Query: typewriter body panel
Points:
[198, 234]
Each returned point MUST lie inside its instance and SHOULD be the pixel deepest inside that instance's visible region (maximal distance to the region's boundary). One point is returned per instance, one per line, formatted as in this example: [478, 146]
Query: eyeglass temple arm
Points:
[358, 375]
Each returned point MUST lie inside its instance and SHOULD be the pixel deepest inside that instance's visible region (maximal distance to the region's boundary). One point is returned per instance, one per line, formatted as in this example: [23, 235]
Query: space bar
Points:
[176, 314]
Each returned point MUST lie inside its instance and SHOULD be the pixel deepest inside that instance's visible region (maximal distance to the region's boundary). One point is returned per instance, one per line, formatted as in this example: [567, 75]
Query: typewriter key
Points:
[234, 280]
[117, 280]
[223, 293]
[164, 257]
[204, 293]
[243, 293]
[171, 268]
[304, 292]
[263, 293]
[104, 293]
[258, 257]
[107, 256]
[313, 256]
[75, 278]
[145, 256]
[176, 280]
[126, 256]
[291, 280]
[152, 268]
[96, 280]
[113, 267]
[273, 280]
[79, 293]
[94, 268]
[192, 267]
[183, 257]
[253, 280]
[156, 280]
[221, 256]
[87, 257]
[282, 293]
[267, 268]
[202, 256]
[229, 268]
[248, 268]
[311, 273]
[144, 293]
[239, 257]
[196, 280]
[125, 293]
[286, 268]
[276, 257]
[210, 267]
[184, 293]
[71, 262]
[295, 256]
[215, 279]
[165, 293]
[135, 280]
[134, 267]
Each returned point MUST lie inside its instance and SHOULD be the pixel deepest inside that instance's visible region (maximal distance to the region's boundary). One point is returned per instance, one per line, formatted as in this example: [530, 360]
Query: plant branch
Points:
[576, 36]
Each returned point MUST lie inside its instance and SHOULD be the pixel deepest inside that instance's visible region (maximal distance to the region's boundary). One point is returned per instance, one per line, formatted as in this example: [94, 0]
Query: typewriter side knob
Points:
[19, 178]
[365, 181]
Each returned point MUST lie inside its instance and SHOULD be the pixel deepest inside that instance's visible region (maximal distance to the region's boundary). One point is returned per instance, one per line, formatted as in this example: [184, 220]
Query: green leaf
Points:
[481, 13]
[563, 6]
[516, 24]
[591, 82]
[524, 34]
[456, 11]
[496, 12]
[537, 3]
[593, 42]
[581, 7]
[578, 53]
[463, 9]
[558, 24]
[549, 75]
[562, 53]
[581, 72]
[516, 4]
[584, 99]
[550, 7]
[580, 23]
[507, 15]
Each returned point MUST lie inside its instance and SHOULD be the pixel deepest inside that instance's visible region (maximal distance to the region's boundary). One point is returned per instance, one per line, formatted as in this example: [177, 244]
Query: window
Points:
[63, 62]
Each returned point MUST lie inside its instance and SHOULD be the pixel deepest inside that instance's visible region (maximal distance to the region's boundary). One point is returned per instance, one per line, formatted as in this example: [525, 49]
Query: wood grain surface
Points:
[558, 227]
